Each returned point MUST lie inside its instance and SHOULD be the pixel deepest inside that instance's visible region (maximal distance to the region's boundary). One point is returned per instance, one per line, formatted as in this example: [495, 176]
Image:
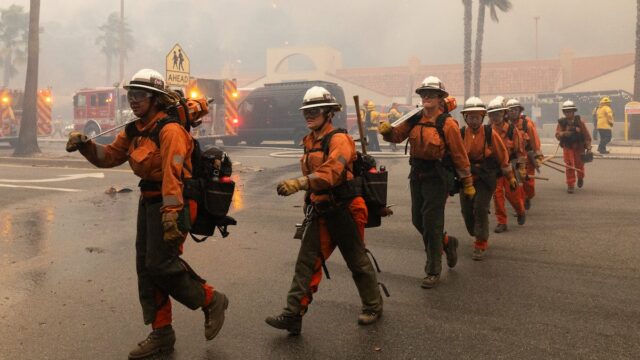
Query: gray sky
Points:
[368, 33]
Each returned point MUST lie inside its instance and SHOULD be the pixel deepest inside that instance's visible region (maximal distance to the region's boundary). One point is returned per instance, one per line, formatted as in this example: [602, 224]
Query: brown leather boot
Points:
[159, 341]
[291, 323]
[367, 317]
[214, 315]
[430, 281]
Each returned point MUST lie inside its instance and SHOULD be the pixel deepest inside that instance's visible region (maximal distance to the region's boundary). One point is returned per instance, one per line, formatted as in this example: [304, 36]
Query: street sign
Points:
[632, 107]
[177, 67]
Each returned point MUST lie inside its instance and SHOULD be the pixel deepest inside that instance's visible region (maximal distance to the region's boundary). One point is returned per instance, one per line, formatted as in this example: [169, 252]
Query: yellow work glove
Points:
[539, 159]
[467, 188]
[292, 186]
[513, 183]
[384, 128]
[170, 227]
[523, 172]
[76, 141]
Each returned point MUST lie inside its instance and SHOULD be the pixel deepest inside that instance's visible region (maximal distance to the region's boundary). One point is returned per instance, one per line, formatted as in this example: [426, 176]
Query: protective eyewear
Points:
[311, 113]
[137, 95]
[429, 94]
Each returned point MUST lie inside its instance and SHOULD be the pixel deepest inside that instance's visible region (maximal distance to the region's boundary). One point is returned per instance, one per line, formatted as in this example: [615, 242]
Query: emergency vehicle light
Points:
[47, 99]
[5, 99]
[234, 95]
[235, 121]
[194, 94]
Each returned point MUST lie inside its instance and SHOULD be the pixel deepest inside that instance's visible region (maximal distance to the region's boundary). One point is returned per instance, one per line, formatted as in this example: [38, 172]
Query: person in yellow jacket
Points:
[371, 119]
[393, 115]
[605, 123]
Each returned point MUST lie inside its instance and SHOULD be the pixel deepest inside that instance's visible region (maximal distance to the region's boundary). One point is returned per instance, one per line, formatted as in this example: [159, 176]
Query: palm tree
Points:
[109, 40]
[467, 47]
[493, 5]
[13, 38]
[636, 77]
[28, 138]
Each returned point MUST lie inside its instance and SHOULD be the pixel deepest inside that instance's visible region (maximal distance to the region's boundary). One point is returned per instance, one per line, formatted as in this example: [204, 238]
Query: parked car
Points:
[272, 112]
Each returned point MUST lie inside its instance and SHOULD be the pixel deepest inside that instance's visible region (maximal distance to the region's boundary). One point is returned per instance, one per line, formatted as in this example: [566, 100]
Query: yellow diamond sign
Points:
[177, 67]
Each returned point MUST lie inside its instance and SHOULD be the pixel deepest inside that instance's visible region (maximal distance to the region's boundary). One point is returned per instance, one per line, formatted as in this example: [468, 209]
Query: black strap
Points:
[439, 125]
[511, 131]
[488, 134]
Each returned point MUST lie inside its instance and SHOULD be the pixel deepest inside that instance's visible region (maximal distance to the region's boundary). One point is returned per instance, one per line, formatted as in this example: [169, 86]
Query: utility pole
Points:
[536, 18]
[121, 41]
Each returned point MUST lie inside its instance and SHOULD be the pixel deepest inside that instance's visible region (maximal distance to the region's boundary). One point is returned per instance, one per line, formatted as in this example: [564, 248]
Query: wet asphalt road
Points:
[565, 285]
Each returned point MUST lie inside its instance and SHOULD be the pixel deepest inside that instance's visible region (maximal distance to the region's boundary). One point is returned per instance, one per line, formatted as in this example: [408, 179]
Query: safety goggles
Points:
[429, 94]
[138, 95]
[311, 113]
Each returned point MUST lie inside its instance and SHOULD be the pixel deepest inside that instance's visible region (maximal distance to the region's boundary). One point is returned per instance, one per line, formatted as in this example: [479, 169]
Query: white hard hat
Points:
[318, 96]
[474, 104]
[569, 105]
[147, 79]
[432, 83]
[514, 103]
[496, 104]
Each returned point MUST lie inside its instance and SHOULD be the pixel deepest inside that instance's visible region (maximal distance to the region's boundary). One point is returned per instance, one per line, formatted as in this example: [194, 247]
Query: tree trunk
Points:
[636, 77]
[467, 47]
[28, 138]
[6, 76]
[477, 63]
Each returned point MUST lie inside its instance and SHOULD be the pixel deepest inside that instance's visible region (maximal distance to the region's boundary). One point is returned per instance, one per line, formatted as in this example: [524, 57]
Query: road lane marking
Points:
[59, 178]
[40, 188]
[62, 168]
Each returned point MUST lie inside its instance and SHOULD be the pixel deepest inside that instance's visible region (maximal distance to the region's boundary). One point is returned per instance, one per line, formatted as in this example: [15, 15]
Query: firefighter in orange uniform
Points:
[489, 157]
[437, 154]
[162, 211]
[512, 139]
[336, 215]
[529, 134]
[575, 140]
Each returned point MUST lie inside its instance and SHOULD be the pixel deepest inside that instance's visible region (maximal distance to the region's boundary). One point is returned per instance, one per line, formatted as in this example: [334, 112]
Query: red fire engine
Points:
[96, 110]
[222, 120]
[11, 108]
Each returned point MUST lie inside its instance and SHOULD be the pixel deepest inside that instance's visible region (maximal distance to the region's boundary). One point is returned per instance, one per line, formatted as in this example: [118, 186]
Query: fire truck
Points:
[11, 109]
[100, 109]
[222, 121]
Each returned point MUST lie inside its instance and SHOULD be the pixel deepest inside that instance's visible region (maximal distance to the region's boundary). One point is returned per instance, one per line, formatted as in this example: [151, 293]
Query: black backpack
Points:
[210, 185]
[372, 186]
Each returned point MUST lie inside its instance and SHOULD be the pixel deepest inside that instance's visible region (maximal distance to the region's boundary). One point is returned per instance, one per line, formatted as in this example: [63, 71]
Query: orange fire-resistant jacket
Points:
[575, 126]
[531, 139]
[325, 172]
[426, 143]
[515, 146]
[476, 147]
[164, 165]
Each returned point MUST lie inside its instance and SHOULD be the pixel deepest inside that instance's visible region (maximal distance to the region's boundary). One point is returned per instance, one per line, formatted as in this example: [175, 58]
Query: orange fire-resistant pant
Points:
[529, 184]
[573, 157]
[515, 198]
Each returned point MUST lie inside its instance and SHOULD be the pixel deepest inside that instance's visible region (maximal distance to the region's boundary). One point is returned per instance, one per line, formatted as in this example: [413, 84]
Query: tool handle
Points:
[363, 139]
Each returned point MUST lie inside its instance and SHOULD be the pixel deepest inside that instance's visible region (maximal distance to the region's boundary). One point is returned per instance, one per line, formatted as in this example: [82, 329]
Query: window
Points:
[102, 98]
[80, 100]
[94, 100]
